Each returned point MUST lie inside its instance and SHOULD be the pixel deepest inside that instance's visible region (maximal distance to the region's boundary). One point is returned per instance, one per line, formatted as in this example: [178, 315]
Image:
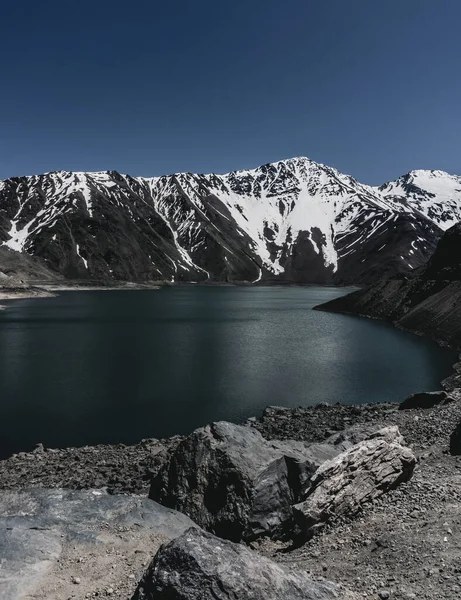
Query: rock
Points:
[343, 440]
[425, 400]
[389, 434]
[234, 483]
[36, 525]
[199, 566]
[317, 424]
[455, 441]
[26, 554]
[363, 473]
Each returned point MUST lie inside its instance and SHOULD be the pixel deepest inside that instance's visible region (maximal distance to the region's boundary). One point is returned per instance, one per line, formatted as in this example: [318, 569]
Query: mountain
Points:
[435, 194]
[294, 220]
[427, 302]
[18, 270]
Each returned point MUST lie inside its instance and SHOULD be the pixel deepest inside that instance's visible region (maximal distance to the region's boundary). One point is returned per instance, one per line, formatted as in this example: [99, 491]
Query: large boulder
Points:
[425, 400]
[341, 486]
[39, 526]
[234, 483]
[199, 566]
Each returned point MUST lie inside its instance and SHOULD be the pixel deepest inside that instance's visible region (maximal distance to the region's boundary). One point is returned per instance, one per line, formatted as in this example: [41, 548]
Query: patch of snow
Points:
[259, 276]
[85, 262]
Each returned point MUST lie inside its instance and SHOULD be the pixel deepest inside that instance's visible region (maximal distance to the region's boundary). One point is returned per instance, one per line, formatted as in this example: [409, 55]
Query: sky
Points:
[144, 87]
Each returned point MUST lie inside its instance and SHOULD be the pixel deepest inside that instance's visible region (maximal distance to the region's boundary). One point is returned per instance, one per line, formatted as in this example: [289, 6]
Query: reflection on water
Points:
[95, 367]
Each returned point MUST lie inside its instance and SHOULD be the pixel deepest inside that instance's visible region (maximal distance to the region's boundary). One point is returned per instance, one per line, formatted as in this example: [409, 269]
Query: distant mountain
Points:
[294, 220]
[436, 194]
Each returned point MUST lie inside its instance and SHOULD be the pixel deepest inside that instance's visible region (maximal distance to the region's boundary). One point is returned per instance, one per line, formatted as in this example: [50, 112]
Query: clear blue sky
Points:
[148, 87]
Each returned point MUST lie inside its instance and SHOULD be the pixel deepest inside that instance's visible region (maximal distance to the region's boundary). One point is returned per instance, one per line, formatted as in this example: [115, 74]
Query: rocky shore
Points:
[45, 290]
[403, 544]
[122, 469]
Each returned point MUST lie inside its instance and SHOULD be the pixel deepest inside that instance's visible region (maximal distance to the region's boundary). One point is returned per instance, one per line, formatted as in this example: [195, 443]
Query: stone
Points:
[455, 441]
[345, 439]
[425, 400]
[199, 566]
[36, 525]
[236, 484]
[341, 486]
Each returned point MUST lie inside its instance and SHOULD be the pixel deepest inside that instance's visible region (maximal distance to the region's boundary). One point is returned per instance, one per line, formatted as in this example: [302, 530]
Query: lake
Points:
[118, 366]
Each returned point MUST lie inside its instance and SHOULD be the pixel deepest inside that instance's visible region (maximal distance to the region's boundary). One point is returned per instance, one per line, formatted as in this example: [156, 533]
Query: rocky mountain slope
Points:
[427, 303]
[17, 268]
[294, 220]
[21, 274]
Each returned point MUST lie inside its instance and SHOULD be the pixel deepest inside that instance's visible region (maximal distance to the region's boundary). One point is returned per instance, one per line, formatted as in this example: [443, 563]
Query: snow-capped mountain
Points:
[293, 220]
[436, 194]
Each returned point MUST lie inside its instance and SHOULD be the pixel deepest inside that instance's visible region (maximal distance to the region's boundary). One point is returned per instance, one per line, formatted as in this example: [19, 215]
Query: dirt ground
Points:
[111, 569]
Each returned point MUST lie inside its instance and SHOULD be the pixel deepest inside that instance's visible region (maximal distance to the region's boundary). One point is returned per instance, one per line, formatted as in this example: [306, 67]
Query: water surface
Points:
[119, 366]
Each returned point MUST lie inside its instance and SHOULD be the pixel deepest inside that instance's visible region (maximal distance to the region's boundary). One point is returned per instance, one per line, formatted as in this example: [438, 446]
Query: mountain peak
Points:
[430, 173]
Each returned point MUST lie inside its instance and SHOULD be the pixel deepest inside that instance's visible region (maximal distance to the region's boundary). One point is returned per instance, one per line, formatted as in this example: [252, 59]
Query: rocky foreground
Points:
[325, 502]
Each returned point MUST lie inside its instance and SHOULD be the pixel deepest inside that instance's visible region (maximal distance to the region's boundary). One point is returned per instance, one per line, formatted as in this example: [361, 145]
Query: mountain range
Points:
[290, 221]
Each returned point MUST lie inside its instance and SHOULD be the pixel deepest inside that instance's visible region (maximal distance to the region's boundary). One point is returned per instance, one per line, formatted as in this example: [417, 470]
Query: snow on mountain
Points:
[436, 194]
[293, 220]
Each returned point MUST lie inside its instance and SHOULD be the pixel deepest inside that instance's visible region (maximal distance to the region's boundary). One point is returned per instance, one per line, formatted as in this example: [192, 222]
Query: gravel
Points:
[117, 468]
[407, 544]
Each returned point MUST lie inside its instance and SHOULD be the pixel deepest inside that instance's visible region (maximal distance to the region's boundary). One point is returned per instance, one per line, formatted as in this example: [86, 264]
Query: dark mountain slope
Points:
[427, 303]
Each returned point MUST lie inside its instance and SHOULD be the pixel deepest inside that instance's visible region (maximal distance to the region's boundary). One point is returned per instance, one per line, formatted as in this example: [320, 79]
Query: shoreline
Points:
[51, 290]
[8, 295]
[124, 467]
[440, 342]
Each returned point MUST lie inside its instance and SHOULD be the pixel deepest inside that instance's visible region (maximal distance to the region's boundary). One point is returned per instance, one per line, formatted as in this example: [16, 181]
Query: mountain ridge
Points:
[294, 220]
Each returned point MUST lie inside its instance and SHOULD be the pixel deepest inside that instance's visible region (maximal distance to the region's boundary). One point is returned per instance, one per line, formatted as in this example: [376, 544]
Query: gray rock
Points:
[233, 482]
[425, 400]
[199, 566]
[35, 525]
[26, 555]
[343, 440]
[364, 472]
